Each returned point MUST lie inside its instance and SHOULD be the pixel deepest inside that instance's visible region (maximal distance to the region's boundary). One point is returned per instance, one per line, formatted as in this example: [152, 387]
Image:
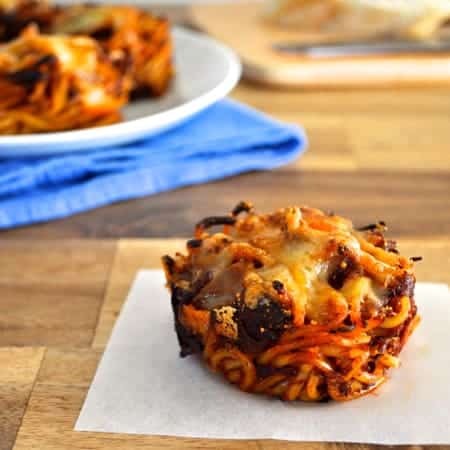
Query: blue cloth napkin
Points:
[226, 139]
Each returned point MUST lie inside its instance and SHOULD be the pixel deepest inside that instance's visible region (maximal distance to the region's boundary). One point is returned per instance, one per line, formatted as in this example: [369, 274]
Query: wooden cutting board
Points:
[240, 26]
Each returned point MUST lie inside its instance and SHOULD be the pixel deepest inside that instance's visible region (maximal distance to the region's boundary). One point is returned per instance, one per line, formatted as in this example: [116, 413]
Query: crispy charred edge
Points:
[169, 265]
[260, 327]
[381, 225]
[374, 235]
[189, 342]
[212, 221]
[346, 265]
[242, 206]
[377, 238]
[29, 76]
[25, 13]
[230, 220]
[194, 243]
[402, 285]
[278, 286]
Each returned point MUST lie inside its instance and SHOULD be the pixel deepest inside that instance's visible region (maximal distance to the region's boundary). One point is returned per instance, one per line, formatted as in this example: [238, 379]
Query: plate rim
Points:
[137, 127]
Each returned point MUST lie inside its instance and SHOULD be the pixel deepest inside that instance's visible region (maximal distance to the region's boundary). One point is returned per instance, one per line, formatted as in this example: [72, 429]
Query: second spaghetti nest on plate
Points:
[75, 67]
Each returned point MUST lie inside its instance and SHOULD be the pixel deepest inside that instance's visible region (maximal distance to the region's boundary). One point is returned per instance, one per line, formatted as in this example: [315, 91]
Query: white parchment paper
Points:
[143, 387]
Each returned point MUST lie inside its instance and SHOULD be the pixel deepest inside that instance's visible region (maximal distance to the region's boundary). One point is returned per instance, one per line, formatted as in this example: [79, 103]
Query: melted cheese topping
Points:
[301, 250]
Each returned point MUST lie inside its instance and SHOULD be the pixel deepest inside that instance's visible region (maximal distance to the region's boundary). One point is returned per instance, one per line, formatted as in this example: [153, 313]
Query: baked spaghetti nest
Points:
[64, 68]
[136, 42]
[54, 83]
[296, 304]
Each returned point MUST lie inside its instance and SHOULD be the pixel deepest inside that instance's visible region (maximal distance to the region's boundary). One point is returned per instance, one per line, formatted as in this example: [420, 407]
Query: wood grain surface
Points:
[42, 389]
[243, 27]
[373, 154]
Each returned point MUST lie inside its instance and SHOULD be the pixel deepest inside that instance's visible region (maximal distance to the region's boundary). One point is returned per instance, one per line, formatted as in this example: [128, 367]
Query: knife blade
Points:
[350, 49]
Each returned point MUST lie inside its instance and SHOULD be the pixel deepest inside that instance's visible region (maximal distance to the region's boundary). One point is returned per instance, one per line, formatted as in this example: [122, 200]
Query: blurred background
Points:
[368, 82]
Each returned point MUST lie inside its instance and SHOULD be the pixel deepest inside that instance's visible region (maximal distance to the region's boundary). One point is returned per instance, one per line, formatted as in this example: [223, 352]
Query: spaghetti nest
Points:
[81, 67]
[136, 42]
[53, 83]
[296, 304]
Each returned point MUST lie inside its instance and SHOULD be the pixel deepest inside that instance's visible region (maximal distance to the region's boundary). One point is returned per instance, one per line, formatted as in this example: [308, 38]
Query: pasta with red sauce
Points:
[297, 304]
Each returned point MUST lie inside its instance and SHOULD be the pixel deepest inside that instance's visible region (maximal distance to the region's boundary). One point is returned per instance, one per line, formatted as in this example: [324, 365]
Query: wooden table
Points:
[373, 155]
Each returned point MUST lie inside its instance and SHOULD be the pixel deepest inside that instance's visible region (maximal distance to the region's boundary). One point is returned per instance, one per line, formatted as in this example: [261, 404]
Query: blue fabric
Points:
[226, 139]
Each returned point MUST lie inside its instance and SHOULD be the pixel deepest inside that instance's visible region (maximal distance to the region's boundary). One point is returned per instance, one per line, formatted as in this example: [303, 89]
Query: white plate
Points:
[206, 71]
